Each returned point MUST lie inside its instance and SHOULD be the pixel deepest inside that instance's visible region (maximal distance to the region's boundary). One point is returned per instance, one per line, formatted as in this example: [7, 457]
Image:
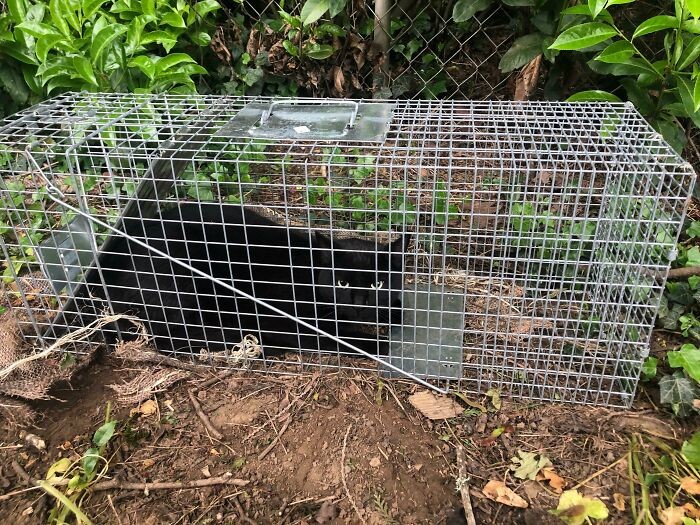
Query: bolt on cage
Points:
[540, 233]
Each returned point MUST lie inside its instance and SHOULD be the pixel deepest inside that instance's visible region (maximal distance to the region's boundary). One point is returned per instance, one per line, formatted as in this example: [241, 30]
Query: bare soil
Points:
[352, 450]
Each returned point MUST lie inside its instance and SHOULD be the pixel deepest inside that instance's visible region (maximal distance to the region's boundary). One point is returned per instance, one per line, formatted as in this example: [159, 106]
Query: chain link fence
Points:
[418, 51]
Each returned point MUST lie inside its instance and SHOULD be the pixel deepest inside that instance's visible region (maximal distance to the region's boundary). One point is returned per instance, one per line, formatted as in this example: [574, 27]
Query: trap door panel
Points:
[429, 344]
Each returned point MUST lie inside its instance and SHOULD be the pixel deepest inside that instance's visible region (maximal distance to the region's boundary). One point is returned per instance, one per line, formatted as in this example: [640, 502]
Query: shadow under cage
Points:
[470, 245]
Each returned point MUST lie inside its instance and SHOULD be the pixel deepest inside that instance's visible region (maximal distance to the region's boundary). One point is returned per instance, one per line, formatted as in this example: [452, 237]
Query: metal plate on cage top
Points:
[429, 343]
[312, 120]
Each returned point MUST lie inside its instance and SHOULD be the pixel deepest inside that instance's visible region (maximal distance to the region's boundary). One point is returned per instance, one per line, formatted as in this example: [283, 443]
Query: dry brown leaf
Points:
[527, 79]
[338, 79]
[692, 511]
[147, 408]
[619, 501]
[148, 463]
[555, 480]
[690, 485]
[434, 407]
[672, 516]
[497, 491]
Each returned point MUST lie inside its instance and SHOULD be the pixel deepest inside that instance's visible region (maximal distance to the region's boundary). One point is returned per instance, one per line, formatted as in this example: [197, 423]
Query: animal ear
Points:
[322, 241]
[400, 245]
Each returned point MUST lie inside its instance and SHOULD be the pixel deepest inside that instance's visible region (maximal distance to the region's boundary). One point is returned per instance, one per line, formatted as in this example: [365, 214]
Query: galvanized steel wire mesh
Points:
[552, 224]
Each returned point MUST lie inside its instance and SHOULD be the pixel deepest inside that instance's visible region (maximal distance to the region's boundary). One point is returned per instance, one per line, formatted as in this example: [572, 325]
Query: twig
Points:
[342, 475]
[216, 379]
[276, 440]
[599, 472]
[111, 505]
[241, 513]
[226, 479]
[680, 273]
[7, 496]
[464, 486]
[22, 473]
[205, 419]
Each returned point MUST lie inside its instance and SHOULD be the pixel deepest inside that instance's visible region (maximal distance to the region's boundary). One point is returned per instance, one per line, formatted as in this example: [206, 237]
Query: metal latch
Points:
[312, 119]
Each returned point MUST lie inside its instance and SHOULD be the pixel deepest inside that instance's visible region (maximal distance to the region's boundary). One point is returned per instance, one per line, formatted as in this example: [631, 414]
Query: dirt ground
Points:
[337, 447]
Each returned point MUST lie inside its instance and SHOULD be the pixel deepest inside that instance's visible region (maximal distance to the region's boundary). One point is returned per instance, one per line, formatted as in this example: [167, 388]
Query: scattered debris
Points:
[497, 491]
[434, 407]
[556, 482]
[529, 464]
[35, 441]
[576, 509]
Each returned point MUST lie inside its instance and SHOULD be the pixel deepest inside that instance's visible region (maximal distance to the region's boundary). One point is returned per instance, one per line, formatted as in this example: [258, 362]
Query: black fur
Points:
[309, 276]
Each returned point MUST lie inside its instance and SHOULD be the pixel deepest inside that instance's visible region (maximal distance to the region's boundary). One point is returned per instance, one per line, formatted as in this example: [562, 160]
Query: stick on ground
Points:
[342, 475]
[226, 479]
[205, 419]
[464, 486]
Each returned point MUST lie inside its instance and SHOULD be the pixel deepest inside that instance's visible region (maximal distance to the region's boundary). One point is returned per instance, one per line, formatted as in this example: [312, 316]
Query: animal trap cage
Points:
[524, 245]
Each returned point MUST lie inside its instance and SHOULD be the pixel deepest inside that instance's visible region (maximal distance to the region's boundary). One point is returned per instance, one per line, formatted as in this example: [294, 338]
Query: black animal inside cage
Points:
[519, 246]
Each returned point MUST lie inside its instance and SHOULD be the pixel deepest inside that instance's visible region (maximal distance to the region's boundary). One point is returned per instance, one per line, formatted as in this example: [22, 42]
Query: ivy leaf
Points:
[465, 9]
[529, 464]
[649, 367]
[575, 509]
[313, 10]
[693, 257]
[523, 50]
[319, 51]
[693, 230]
[687, 358]
[691, 450]
[678, 392]
[583, 36]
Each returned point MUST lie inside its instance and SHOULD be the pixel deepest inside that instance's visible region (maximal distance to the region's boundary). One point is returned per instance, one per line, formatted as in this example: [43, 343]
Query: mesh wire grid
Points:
[429, 55]
[552, 223]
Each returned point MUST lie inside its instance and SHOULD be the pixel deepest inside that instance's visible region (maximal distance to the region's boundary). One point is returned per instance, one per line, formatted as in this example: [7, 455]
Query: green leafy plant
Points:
[106, 45]
[68, 480]
[665, 88]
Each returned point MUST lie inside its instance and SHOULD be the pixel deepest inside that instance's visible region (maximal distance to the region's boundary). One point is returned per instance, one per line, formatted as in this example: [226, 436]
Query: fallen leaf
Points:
[555, 480]
[375, 462]
[214, 452]
[148, 463]
[690, 485]
[692, 511]
[497, 491]
[206, 472]
[696, 403]
[147, 408]
[495, 396]
[672, 516]
[434, 407]
[526, 81]
[529, 464]
[575, 509]
[338, 79]
[619, 501]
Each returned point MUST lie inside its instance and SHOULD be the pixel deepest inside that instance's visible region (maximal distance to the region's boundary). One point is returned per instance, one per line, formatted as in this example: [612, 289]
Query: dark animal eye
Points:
[377, 286]
[343, 284]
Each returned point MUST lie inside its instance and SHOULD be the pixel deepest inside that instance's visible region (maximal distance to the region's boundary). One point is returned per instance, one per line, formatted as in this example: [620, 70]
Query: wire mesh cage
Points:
[475, 245]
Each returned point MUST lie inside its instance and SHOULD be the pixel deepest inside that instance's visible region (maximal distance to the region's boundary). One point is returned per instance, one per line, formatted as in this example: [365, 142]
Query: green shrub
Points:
[101, 45]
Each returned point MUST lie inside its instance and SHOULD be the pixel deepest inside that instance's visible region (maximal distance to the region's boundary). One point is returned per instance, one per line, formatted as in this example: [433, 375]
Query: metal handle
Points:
[353, 116]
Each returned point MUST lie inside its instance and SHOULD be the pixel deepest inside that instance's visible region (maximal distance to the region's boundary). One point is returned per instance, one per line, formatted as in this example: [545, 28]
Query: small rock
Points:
[35, 441]
[417, 467]
[375, 462]
[205, 471]
[27, 511]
